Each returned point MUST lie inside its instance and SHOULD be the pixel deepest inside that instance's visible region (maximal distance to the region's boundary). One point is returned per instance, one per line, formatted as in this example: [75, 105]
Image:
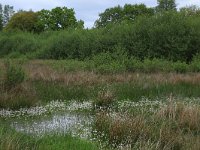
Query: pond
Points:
[76, 124]
[56, 117]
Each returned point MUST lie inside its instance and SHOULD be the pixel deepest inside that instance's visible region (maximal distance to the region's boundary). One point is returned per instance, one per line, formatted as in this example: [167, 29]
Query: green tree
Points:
[131, 12]
[166, 5]
[23, 20]
[119, 14]
[1, 24]
[110, 15]
[191, 10]
[57, 19]
[7, 14]
[1, 17]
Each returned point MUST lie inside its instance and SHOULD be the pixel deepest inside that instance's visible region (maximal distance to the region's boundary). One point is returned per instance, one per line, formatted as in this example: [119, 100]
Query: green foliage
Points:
[70, 65]
[19, 42]
[166, 5]
[180, 67]
[23, 20]
[195, 64]
[152, 37]
[1, 24]
[109, 63]
[118, 14]
[77, 44]
[10, 139]
[55, 142]
[191, 10]
[48, 91]
[159, 37]
[14, 75]
[134, 91]
[1, 17]
[8, 12]
[56, 19]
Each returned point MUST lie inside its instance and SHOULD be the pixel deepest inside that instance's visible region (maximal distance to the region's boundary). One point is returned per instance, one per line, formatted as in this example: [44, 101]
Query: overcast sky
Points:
[86, 10]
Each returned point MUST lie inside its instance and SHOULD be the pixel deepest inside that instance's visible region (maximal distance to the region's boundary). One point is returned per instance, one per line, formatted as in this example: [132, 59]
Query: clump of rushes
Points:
[105, 99]
[14, 75]
[186, 117]
[15, 92]
[171, 126]
[116, 130]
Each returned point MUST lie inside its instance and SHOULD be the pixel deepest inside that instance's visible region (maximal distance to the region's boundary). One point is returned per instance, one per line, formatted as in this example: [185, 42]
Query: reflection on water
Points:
[75, 124]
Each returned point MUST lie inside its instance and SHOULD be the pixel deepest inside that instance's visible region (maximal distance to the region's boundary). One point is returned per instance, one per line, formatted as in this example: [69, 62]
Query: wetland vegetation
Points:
[131, 82]
[131, 110]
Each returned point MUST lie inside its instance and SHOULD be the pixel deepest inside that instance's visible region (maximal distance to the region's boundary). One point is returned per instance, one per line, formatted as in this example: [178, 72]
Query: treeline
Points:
[161, 32]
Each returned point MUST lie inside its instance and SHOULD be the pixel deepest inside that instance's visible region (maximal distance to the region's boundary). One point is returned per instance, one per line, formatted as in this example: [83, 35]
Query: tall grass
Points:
[172, 126]
[46, 82]
[12, 140]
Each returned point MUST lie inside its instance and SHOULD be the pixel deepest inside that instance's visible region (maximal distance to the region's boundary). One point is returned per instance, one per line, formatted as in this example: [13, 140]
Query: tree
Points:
[166, 5]
[1, 24]
[131, 12]
[23, 20]
[191, 10]
[57, 19]
[110, 15]
[7, 14]
[1, 17]
[119, 14]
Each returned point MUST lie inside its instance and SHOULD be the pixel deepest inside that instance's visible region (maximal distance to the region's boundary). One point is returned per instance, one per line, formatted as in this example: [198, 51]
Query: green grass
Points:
[69, 65]
[172, 126]
[134, 91]
[36, 92]
[12, 140]
[65, 142]
[47, 91]
[40, 90]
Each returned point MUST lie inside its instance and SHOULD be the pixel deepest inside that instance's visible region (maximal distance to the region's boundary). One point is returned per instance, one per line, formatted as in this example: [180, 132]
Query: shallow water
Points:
[72, 123]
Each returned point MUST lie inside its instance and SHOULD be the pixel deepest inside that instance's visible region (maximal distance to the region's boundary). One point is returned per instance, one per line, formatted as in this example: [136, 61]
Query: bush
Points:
[14, 75]
[134, 64]
[170, 36]
[105, 99]
[180, 67]
[195, 64]
[19, 42]
[109, 62]
[69, 44]
[156, 65]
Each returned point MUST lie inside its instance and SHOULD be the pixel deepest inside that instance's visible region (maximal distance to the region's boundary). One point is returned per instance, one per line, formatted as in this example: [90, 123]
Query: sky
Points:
[86, 10]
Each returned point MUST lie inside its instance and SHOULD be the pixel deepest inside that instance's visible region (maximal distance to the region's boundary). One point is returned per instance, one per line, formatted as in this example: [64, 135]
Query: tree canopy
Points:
[1, 17]
[56, 19]
[191, 10]
[166, 5]
[119, 14]
[23, 20]
[6, 12]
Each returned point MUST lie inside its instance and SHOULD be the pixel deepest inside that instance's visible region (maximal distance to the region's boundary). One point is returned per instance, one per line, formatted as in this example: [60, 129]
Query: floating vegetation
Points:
[127, 124]
[51, 107]
[64, 119]
[77, 125]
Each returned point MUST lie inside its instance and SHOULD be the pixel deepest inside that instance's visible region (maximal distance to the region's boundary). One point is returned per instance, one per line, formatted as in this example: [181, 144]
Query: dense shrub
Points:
[109, 62]
[171, 36]
[19, 42]
[69, 44]
[195, 64]
[14, 75]
[167, 36]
